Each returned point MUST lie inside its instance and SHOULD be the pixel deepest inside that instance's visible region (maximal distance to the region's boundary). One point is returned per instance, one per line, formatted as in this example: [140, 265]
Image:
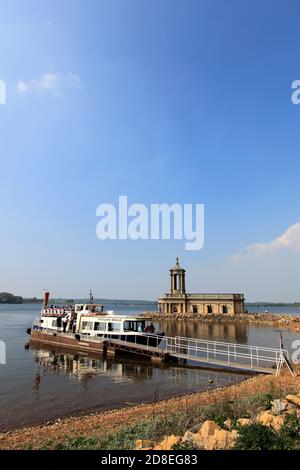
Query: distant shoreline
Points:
[272, 304]
[7, 299]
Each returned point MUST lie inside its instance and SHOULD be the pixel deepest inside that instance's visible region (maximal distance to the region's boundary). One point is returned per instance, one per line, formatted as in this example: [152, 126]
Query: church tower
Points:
[177, 279]
[178, 302]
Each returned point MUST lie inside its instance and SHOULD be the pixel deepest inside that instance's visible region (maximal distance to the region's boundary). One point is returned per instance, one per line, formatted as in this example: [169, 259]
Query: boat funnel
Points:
[46, 298]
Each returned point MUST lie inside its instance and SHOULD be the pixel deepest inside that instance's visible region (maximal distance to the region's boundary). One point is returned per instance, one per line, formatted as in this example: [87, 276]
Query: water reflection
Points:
[223, 331]
[83, 368]
[37, 381]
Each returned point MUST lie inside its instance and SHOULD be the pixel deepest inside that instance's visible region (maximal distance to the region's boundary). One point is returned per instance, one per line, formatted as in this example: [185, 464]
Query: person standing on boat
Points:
[58, 323]
[65, 324]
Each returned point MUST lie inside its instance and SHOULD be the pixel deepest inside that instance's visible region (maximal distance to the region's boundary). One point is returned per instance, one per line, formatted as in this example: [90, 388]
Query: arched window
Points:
[224, 309]
[209, 309]
[195, 309]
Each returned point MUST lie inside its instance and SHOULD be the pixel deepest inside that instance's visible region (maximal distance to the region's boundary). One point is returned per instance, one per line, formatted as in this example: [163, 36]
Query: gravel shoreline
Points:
[104, 423]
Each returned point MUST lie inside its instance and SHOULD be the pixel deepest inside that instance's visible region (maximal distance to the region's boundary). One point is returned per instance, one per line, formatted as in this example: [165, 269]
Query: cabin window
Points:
[209, 309]
[114, 326]
[87, 325]
[100, 326]
[129, 326]
[134, 325]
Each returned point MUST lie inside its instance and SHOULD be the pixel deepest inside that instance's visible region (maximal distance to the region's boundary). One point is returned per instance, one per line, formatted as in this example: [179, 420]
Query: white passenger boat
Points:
[90, 321]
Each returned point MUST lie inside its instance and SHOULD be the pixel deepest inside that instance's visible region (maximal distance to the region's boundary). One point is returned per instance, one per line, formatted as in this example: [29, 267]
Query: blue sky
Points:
[163, 101]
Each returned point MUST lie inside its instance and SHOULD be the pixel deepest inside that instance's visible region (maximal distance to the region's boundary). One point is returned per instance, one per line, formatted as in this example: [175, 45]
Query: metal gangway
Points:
[206, 353]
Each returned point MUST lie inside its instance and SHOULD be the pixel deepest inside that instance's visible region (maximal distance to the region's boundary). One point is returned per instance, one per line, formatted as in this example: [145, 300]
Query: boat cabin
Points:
[109, 324]
[88, 309]
[90, 320]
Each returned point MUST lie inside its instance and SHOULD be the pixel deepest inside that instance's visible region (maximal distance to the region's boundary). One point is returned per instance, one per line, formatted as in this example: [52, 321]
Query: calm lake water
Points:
[42, 384]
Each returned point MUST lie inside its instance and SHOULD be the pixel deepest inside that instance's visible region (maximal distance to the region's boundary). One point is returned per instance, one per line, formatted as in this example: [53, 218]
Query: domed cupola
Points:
[177, 279]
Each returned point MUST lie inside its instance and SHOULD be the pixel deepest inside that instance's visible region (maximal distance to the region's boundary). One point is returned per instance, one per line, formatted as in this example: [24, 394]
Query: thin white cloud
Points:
[49, 83]
[22, 87]
[290, 239]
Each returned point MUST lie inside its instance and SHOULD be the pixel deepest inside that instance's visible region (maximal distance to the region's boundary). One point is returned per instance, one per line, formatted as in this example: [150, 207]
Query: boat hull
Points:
[62, 339]
[90, 344]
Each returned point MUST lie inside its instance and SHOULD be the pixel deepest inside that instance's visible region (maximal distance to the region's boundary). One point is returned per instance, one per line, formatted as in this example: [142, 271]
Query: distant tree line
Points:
[33, 300]
[7, 298]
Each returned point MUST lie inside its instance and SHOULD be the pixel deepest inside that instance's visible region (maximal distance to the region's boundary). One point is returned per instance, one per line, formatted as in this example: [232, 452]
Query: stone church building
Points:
[178, 301]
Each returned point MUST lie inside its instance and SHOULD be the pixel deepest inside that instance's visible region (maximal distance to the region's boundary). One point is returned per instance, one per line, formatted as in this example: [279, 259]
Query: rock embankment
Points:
[211, 436]
[287, 322]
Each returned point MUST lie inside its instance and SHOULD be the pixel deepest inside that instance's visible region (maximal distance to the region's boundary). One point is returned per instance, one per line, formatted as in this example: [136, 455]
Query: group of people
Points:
[66, 325]
[150, 328]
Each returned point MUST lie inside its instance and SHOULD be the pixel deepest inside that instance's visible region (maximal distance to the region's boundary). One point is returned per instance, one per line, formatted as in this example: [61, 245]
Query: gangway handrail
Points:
[227, 353]
[172, 346]
[245, 346]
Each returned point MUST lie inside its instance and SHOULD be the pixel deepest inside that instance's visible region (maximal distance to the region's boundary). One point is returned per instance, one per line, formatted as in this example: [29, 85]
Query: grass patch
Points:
[191, 418]
[238, 408]
[259, 437]
[125, 439]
